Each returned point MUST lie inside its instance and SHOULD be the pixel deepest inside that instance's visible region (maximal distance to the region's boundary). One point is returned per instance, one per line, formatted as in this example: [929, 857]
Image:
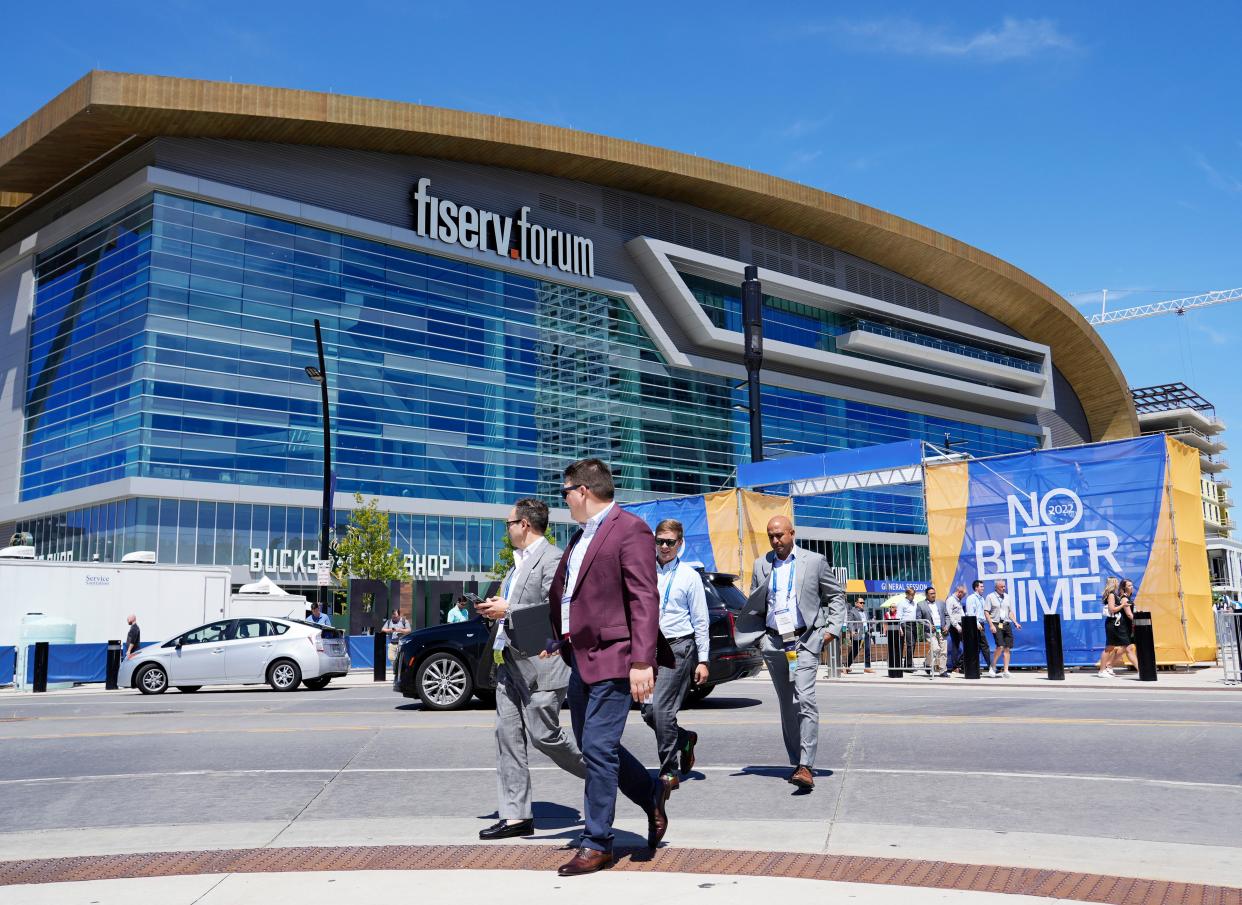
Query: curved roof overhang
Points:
[105, 115]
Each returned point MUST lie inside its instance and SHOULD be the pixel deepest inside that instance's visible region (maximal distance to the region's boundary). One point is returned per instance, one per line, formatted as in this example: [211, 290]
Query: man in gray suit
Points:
[933, 611]
[801, 601]
[529, 689]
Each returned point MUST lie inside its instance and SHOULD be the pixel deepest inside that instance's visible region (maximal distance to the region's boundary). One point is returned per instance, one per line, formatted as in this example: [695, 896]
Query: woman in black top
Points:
[1125, 596]
[1111, 611]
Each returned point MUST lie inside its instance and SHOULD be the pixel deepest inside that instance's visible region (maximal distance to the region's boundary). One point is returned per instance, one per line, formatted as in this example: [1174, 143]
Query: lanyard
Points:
[668, 587]
[793, 567]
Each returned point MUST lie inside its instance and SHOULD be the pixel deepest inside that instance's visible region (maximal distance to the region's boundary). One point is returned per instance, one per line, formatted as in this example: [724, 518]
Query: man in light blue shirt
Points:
[460, 612]
[319, 618]
[976, 605]
[683, 623]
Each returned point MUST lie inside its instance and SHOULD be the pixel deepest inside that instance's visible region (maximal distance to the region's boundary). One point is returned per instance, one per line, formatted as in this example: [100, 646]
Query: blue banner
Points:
[692, 513]
[1054, 525]
[8, 663]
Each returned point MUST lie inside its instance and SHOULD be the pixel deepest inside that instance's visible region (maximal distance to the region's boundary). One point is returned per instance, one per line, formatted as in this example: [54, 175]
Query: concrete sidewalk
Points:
[508, 887]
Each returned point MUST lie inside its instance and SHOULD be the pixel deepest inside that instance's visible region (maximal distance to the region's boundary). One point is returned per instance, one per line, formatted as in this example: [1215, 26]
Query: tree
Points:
[366, 551]
[504, 557]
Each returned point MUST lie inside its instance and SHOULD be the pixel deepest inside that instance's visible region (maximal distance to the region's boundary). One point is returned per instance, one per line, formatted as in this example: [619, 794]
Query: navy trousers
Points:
[598, 713]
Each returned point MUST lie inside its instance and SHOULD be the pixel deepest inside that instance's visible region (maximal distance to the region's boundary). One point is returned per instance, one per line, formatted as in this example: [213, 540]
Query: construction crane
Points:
[1172, 306]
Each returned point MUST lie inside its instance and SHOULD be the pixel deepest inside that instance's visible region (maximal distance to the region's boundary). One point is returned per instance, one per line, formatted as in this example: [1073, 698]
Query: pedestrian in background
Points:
[133, 639]
[395, 627]
[934, 612]
[1110, 609]
[460, 611]
[906, 614]
[683, 623]
[956, 611]
[317, 617]
[860, 634]
[976, 606]
[1001, 617]
[1125, 595]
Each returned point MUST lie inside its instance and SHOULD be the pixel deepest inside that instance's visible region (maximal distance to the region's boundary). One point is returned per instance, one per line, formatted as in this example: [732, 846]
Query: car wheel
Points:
[152, 679]
[443, 682]
[317, 684]
[697, 693]
[284, 675]
[188, 689]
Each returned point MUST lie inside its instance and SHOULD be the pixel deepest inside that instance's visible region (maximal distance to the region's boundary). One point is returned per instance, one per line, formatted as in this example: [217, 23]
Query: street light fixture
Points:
[320, 376]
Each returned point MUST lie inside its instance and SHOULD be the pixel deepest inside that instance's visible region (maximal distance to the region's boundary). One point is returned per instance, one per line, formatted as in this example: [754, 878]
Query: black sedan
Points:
[443, 665]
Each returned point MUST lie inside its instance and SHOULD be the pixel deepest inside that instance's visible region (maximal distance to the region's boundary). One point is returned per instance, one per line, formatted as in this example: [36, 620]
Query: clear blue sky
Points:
[1091, 144]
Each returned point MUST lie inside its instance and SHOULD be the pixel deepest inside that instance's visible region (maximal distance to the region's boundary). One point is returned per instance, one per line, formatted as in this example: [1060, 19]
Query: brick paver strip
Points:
[842, 868]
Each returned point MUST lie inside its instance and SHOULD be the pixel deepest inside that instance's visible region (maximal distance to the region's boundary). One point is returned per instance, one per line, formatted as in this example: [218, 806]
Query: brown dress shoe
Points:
[657, 817]
[585, 861]
[802, 778]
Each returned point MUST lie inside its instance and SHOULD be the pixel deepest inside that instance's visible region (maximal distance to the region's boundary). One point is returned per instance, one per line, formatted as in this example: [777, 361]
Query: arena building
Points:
[497, 298]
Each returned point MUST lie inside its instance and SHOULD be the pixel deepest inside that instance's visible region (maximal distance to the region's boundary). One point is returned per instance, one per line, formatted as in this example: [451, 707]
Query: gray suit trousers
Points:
[670, 691]
[799, 712]
[527, 714]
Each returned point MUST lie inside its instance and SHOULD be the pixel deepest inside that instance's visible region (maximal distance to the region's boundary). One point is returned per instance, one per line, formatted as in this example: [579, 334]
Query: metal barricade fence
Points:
[866, 645]
[1229, 644]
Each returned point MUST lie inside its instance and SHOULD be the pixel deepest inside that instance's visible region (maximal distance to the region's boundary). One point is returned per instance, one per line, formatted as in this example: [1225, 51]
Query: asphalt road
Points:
[1122, 764]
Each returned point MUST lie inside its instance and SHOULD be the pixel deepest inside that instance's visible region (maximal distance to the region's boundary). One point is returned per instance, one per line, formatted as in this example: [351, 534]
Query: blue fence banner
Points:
[361, 651]
[691, 511]
[8, 663]
[1054, 525]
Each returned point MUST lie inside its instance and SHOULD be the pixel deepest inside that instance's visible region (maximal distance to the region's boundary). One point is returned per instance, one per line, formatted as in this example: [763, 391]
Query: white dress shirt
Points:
[934, 608]
[521, 564]
[783, 588]
[576, 556]
[683, 604]
[906, 610]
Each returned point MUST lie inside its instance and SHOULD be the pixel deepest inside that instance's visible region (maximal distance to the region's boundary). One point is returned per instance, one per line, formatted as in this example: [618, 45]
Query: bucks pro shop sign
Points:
[516, 238]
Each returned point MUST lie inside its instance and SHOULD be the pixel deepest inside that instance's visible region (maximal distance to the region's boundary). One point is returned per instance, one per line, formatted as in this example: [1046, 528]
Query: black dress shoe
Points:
[504, 830]
[686, 761]
[657, 817]
[585, 861]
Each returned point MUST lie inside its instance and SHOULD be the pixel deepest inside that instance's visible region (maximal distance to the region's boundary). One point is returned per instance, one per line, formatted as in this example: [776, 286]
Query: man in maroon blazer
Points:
[605, 613]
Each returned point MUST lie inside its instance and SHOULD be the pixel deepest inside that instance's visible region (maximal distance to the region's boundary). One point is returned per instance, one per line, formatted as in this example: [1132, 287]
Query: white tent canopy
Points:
[263, 586]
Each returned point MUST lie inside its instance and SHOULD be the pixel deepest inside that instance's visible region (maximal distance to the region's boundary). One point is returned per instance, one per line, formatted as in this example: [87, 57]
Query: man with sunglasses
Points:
[683, 623]
[529, 689]
[605, 611]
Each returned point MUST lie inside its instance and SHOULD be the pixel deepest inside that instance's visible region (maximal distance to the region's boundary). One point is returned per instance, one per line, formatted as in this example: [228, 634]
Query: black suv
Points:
[443, 665]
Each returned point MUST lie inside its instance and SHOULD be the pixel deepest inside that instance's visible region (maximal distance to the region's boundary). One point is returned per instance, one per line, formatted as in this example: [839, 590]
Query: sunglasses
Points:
[566, 491]
[511, 522]
[665, 542]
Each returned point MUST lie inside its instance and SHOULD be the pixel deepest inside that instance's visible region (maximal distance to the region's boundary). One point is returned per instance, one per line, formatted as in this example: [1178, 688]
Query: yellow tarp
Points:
[737, 548]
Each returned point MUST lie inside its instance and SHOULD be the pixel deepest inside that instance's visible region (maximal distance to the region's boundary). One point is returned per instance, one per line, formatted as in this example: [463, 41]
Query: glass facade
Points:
[816, 328]
[169, 342]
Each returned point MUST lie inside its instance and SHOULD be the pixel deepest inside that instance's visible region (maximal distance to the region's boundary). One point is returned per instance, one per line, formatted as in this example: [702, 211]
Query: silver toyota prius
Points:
[284, 653]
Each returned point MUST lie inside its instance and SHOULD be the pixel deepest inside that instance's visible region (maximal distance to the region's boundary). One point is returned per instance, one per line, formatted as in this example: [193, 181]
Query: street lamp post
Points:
[320, 376]
[752, 317]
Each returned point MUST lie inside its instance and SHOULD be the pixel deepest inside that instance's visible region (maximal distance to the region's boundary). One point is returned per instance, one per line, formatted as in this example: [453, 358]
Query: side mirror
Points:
[177, 646]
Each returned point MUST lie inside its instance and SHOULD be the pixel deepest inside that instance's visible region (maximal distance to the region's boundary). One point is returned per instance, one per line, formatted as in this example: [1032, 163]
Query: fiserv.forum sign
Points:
[515, 238]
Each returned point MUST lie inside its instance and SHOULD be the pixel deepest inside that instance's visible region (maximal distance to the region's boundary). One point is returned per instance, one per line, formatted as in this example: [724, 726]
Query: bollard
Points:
[381, 656]
[970, 647]
[1052, 647]
[112, 665]
[40, 666]
[1145, 646]
[894, 651]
